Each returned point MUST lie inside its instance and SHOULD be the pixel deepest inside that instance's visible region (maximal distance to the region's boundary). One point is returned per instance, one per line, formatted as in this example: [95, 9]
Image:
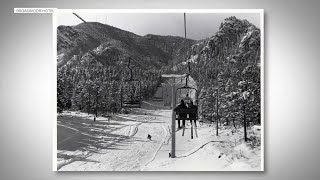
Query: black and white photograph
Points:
[159, 90]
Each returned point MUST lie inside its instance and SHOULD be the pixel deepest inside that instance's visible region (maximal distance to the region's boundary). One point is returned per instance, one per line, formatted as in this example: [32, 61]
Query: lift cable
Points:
[90, 25]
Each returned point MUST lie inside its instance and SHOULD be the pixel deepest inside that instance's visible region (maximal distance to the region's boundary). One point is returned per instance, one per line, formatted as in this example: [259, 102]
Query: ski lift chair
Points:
[188, 113]
[134, 100]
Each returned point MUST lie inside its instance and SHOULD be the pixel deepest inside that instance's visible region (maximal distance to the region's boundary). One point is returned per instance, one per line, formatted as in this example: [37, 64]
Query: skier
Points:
[149, 137]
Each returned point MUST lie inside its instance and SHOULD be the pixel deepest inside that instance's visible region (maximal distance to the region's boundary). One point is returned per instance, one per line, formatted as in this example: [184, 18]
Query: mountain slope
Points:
[92, 65]
[226, 68]
[236, 39]
[151, 50]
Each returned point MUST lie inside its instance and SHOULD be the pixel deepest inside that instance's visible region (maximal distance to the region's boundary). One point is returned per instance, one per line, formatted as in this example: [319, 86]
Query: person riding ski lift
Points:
[193, 115]
[187, 99]
[182, 105]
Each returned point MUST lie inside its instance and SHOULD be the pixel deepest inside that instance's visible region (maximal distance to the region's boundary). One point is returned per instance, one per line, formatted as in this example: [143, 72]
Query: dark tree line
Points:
[88, 85]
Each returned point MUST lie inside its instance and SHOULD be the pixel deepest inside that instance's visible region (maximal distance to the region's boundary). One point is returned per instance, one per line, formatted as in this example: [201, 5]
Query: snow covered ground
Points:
[208, 152]
[119, 143]
[116, 144]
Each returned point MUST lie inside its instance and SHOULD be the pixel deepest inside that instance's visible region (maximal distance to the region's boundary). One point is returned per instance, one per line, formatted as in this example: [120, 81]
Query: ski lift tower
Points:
[173, 101]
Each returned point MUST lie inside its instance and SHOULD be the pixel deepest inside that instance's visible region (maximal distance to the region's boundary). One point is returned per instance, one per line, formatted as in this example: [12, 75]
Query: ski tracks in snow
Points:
[129, 155]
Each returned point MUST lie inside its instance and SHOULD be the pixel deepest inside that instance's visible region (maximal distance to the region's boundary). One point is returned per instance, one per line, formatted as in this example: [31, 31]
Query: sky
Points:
[199, 25]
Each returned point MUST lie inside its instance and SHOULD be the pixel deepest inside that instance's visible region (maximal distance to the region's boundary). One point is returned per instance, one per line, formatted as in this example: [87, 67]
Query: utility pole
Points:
[185, 26]
[217, 118]
[173, 123]
[245, 124]
[217, 99]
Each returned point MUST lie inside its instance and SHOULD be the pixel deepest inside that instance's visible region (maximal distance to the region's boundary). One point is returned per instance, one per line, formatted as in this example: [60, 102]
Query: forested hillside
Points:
[92, 60]
[226, 68]
[151, 50]
[92, 64]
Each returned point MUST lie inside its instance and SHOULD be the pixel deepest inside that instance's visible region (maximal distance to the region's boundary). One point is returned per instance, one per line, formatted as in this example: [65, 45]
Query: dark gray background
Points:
[292, 87]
